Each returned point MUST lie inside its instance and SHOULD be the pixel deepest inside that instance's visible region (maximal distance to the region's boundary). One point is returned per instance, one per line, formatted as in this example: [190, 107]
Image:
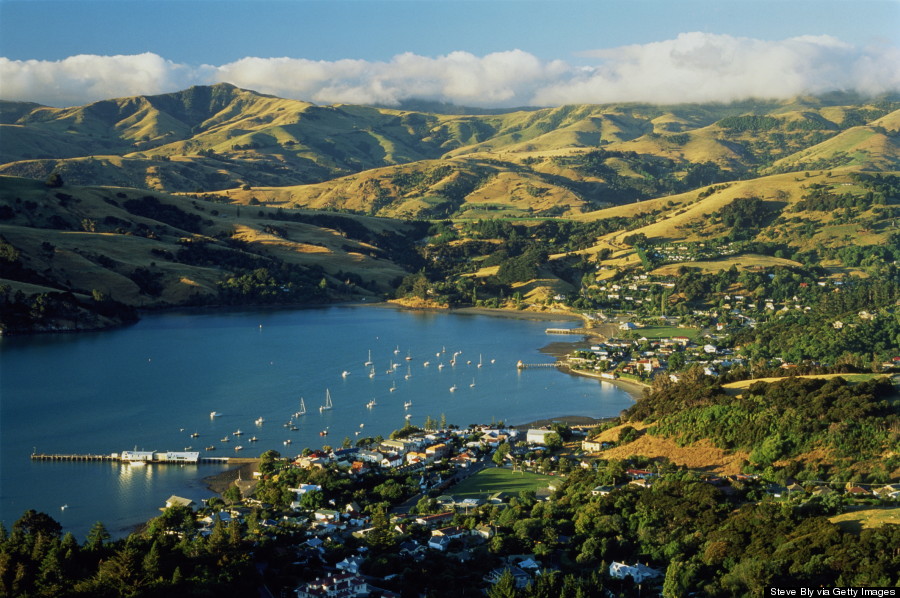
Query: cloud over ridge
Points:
[693, 67]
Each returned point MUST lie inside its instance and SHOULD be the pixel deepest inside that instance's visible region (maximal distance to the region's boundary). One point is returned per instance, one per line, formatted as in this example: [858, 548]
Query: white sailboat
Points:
[453, 388]
[479, 360]
[372, 371]
[302, 408]
[408, 373]
[472, 385]
[369, 360]
[327, 404]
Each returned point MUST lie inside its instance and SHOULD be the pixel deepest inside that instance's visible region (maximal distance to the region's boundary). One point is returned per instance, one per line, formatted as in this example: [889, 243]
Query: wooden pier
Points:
[525, 366]
[46, 457]
[115, 457]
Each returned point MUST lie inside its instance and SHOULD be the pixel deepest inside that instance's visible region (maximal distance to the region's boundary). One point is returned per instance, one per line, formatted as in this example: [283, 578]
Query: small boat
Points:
[64, 507]
[440, 366]
[397, 350]
[187, 448]
[214, 414]
[137, 463]
[302, 408]
[493, 360]
[287, 442]
[408, 356]
[259, 421]
[408, 415]
[293, 428]
[453, 388]
[362, 425]
[254, 439]
[479, 360]
[195, 434]
[472, 385]
[327, 404]
[211, 447]
[369, 361]
[323, 433]
[344, 374]
[372, 372]
[393, 387]
[407, 404]
[238, 448]
[408, 374]
[371, 404]
[427, 363]
[225, 439]
[237, 432]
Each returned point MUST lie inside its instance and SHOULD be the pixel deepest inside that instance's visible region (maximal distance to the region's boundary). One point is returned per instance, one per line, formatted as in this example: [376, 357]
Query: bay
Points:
[152, 385]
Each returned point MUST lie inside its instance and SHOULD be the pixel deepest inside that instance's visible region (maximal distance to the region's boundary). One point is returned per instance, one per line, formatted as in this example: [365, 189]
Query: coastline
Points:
[220, 482]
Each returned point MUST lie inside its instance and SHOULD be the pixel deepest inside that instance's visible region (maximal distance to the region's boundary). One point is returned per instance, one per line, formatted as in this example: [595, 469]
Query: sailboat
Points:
[472, 385]
[369, 361]
[453, 388]
[479, 360]
[408, 373]
[408, 356]
[407, 404]
[372, 372]
[327, 404]
[302, 408]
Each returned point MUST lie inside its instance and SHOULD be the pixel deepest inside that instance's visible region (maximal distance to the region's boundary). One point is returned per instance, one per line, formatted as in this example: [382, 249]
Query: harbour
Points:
[265, 373]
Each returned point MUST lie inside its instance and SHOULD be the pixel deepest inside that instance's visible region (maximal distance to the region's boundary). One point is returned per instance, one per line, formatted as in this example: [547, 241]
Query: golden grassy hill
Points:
[152, 249]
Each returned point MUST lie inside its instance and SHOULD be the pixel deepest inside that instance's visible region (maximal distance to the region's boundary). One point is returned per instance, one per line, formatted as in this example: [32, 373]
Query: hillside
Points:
[179, 198]
[548, 162]
[86, 246]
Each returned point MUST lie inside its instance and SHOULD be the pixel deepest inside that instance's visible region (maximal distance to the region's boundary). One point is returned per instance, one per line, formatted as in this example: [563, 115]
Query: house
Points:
[326, 515]
[440, 543]
[538, 436]
[351, 564]
[520, 577]
[431, 520]
[344, 585]
[453, 531]
[602, 490]
[436, 452]
[464, 459]
[483, 530]
[178, 501]
[369, 456]
[637, 572]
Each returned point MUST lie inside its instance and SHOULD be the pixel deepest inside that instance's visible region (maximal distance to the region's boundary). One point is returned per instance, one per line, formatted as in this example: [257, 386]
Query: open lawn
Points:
[856, 521]
[495, 479]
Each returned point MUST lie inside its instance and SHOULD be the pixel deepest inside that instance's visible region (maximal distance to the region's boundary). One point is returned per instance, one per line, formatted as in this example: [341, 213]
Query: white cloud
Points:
[86, 78]
[693, 67]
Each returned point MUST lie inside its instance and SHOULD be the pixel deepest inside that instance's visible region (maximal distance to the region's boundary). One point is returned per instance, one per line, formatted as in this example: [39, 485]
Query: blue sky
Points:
[346, 50]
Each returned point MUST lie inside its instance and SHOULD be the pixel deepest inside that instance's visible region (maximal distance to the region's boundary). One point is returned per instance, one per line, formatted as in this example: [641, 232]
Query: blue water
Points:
[151, 385]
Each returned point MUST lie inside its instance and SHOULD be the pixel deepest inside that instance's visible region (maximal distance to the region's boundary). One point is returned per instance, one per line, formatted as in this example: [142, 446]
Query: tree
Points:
[505, 586]
[232, 494]
[501, 452]
[54, 180]
[268, 462]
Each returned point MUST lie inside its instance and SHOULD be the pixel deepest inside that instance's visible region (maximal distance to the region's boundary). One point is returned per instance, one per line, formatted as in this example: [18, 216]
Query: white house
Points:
[638, 572]
[344, 585]
[537, 436]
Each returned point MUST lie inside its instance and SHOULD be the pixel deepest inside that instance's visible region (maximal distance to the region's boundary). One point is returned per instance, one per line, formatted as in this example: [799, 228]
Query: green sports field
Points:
[492, 480]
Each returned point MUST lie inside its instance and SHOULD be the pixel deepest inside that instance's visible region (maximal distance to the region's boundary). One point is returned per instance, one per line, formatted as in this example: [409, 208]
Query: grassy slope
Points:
[75, 261]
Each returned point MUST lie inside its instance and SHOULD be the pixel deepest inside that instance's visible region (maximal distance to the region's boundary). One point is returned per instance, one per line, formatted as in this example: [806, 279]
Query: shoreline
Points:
[221, 481]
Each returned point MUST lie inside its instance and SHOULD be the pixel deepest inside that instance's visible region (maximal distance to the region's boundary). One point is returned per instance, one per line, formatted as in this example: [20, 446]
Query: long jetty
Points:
[114, 457]
[523, 366]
